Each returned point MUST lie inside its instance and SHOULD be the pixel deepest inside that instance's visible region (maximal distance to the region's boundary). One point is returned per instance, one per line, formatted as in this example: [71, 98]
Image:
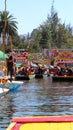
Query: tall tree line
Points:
[51, 34]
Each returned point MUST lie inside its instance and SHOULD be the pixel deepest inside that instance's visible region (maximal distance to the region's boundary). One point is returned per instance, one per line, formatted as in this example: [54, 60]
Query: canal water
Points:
[37, 97]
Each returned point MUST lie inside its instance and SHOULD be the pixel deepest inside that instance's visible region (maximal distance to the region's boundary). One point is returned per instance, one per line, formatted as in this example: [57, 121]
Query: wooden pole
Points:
[4, 34]
[4, 30]
[4, 42]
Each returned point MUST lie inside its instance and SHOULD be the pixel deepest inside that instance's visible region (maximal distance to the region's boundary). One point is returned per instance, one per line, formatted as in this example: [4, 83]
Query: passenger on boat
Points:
[59, 72]
[39, 72]
[70, 72]
[19, 71]
[24, 72]
[65, 71]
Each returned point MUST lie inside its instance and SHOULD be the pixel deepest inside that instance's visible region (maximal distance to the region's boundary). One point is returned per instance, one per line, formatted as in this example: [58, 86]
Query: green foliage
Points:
[51, 34]
[11, 24]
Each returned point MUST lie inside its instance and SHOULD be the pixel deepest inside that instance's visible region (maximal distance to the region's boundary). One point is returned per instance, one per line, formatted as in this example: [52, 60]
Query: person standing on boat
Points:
[10, 66]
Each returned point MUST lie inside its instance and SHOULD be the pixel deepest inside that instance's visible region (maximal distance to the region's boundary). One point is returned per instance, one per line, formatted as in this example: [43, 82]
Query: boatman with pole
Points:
[10, 66]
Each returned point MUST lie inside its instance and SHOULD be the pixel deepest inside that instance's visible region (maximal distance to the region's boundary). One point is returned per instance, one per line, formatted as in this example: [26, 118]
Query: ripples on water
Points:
[37, 97]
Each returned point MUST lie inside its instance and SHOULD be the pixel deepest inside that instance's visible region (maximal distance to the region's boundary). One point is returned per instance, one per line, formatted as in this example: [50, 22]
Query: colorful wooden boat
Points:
[42, 123]
[24, 77]
[6, 84]
[64, 70]
[62, 78]
[11, 85]
[14, 84]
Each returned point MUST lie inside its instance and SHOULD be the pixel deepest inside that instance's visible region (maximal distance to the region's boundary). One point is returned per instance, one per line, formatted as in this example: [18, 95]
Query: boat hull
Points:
[38, 76]
[62, 78]
[31, 76]
[22, 77]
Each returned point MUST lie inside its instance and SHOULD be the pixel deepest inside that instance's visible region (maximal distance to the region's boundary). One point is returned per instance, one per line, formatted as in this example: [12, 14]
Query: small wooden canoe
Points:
[42, 123]
[11, 85]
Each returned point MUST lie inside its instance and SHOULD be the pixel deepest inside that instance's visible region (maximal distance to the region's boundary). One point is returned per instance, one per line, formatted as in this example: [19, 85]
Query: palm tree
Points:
[8, 27]
[11, 24]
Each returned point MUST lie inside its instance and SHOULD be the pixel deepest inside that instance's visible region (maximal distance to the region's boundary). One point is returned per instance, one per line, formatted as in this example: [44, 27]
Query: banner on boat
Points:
[58, 53]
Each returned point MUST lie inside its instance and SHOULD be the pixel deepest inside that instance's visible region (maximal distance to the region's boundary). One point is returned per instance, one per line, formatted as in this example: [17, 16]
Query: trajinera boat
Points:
[42, 123]
[64, 71]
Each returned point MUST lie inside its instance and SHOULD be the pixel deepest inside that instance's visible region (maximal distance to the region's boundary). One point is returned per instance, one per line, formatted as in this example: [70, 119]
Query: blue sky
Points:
[31, 13]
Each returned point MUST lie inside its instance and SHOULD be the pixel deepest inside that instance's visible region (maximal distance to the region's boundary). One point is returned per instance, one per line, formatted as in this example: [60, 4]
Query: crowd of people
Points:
[12, 70]
[64, 70]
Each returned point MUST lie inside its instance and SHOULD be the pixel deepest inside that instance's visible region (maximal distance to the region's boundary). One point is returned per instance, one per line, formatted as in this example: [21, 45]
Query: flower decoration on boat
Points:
[56, 53]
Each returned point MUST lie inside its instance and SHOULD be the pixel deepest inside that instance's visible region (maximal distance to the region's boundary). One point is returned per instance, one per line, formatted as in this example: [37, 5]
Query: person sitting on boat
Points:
[70, 72]
[39, 72]
[19, 70]
[24, 72]
[59, 72]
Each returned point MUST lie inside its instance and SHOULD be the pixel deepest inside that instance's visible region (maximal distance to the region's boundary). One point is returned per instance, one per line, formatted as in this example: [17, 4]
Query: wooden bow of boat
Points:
[7, 85]
[42, 123]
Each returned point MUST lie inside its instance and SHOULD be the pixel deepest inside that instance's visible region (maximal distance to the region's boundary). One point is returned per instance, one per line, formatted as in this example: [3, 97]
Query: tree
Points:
[11, 25]
[45, 35]
[35, 39]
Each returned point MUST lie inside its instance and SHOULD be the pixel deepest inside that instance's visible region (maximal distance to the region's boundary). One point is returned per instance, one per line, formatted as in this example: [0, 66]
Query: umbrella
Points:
[3, 55]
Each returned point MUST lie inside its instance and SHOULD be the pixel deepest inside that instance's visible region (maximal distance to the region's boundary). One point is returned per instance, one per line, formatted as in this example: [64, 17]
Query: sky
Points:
[31, 13]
